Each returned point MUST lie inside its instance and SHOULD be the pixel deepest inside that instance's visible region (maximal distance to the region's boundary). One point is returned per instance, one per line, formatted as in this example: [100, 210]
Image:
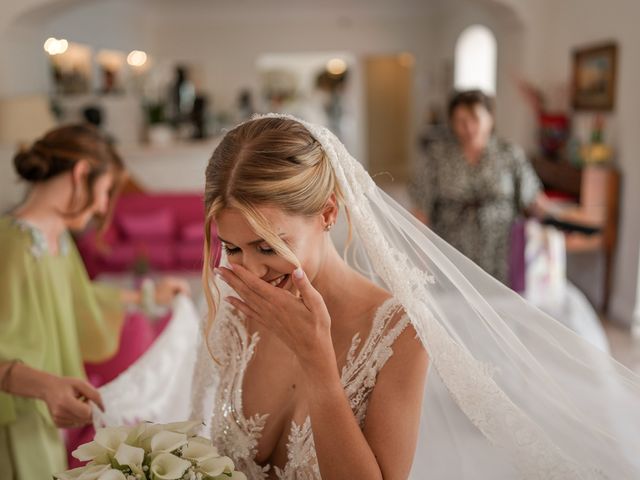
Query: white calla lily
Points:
[200, 439]
[89, 472]
[238, 476]
[216, 466]
[130, 456]
[199, 451]
[167, 466]
[91, 451]
[112, 475]
[188, 428]
[111, 437]
[164, 441]
[141, 435]
[72, 474]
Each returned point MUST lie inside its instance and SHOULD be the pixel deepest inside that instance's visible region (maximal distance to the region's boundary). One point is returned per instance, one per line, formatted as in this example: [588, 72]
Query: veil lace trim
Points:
[469, 382]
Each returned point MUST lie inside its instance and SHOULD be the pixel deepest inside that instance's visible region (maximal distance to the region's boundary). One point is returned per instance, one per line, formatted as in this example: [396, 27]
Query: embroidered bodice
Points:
[236, 435]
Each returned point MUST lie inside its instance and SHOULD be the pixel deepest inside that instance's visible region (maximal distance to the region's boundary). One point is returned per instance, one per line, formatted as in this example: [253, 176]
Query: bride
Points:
[330, 366]
[400, 359]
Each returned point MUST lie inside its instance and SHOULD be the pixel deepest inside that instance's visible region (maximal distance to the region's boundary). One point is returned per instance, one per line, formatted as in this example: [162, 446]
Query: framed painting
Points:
[594, 77]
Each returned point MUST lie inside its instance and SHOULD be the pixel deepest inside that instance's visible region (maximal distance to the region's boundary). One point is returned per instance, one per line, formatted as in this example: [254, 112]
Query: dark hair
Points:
[469, 99]
[59, 150]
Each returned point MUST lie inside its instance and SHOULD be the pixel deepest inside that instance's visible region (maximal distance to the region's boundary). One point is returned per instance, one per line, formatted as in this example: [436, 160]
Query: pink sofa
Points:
[161, 231]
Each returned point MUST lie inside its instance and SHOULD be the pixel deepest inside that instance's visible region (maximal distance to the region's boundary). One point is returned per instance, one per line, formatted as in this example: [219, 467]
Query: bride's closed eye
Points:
[262, 249]
[231, 250]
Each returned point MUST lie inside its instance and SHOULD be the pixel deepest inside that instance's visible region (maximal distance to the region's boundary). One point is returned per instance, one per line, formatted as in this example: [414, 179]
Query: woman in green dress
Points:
[52, 317]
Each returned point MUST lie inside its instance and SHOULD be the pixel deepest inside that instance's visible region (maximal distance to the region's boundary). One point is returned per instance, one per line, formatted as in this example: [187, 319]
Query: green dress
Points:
[52, 317]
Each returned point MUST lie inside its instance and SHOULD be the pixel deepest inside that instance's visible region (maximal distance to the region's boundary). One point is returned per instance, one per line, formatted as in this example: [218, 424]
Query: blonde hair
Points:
[265, 162]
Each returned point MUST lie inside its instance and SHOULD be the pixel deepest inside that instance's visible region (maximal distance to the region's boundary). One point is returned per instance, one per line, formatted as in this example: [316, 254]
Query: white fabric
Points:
[546, 266]
[547, 287]
[157, 387]
[511, 393]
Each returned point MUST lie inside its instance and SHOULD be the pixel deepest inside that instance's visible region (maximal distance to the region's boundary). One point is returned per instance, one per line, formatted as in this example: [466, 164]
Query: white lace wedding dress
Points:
[510, 393]
[218, 392]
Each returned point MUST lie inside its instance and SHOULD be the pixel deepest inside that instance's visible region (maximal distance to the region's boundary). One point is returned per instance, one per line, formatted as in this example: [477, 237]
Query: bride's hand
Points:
[302, 323]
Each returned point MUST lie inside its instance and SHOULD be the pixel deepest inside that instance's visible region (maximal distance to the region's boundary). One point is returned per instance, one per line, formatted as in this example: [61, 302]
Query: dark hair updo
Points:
[60, 149]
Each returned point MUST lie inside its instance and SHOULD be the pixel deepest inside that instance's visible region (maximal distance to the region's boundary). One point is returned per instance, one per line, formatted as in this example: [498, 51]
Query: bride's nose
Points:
[255, 265]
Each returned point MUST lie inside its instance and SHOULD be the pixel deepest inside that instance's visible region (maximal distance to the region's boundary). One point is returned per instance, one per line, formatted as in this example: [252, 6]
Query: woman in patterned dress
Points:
[470, 186]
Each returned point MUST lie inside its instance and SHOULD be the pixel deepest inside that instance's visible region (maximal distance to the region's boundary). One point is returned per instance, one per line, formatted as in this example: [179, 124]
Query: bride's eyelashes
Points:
[231, 250]
[263, 250]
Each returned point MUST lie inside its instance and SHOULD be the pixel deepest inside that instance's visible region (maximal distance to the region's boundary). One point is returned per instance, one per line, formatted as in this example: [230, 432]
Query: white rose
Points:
[169, 467]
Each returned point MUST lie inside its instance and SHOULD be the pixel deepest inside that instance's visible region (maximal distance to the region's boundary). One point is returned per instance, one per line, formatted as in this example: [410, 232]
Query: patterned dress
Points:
[473, 207]
[218, 391]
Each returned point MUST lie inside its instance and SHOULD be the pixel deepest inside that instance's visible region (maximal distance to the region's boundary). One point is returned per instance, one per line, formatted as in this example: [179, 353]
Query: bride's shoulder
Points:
[390, 317]
[383, 310]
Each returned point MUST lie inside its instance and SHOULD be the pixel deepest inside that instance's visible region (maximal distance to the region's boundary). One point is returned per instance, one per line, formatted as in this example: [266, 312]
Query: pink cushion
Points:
[193, 232]
[119, 257]
[189, 256]
[137, 336]
[151, 225]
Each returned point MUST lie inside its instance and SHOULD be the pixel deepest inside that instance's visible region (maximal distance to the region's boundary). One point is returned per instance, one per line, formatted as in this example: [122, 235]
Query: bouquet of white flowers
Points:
[150, 451]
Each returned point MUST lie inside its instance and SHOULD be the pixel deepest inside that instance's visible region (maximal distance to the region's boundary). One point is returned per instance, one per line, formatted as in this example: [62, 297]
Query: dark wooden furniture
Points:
[596, 190]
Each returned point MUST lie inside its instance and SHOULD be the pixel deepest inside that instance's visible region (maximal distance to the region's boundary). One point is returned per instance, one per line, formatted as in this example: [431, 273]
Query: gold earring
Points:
[328, 227]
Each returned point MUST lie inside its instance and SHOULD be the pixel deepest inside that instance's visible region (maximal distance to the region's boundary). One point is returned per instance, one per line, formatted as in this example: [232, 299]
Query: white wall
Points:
[223, 41]
[564, 26]
[513, 120]
[227, 46]
[114, 24]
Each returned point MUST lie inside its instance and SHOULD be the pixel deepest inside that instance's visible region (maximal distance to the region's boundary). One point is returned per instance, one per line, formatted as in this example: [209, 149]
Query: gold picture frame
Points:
[594, 77]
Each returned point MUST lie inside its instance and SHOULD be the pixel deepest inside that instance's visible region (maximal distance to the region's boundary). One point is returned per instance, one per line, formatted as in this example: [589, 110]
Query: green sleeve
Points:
[22, 321]
[99, 313]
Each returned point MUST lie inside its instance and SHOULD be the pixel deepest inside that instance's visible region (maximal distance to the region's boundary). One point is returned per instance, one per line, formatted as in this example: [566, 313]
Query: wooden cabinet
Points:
[596, 193]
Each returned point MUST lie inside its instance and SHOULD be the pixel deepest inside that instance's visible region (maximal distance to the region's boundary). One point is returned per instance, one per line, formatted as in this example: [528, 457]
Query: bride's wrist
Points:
[320, 363]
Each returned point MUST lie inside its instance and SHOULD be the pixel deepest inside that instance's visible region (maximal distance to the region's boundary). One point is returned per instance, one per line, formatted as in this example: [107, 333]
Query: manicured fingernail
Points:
[230, 266]
[298, 273]
[217, 272]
